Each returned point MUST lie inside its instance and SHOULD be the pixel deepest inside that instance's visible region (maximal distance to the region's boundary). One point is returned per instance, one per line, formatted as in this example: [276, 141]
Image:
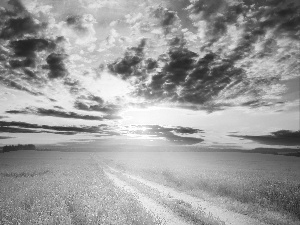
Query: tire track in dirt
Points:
[221, 214]
[166, 216]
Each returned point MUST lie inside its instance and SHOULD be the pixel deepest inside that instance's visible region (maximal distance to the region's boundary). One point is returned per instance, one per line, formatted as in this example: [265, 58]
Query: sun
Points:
[111, 88]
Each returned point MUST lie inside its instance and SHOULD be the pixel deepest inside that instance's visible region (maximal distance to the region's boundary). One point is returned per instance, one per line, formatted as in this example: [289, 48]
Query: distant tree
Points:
[9, 148]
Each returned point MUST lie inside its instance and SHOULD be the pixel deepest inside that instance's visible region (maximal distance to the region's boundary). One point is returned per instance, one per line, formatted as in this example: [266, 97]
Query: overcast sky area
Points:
[221, 73]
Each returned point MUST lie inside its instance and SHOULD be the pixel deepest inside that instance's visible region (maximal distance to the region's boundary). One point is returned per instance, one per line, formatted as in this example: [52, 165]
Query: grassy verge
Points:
[63, 190]
[275, 195]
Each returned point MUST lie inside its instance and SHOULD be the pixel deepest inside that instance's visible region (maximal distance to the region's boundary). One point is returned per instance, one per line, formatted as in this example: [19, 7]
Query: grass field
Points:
[62, 188]
[72, 188]
[262, 186]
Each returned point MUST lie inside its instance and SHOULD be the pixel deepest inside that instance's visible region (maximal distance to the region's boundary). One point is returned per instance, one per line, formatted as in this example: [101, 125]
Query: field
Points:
[266, 187]
[62, 188]
[124, 188]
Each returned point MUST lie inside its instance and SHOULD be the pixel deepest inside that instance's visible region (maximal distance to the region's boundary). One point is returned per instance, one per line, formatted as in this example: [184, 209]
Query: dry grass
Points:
[274, 195]
[58, 188]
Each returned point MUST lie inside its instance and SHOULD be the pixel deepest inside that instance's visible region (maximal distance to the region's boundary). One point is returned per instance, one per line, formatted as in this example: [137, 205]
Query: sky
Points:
[211, 74]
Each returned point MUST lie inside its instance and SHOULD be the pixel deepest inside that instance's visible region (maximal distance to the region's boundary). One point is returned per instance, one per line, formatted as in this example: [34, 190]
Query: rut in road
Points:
[164, 215]
[212, 211]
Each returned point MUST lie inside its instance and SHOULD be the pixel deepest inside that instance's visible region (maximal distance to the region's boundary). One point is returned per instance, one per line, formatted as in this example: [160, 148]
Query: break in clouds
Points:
[197, 54]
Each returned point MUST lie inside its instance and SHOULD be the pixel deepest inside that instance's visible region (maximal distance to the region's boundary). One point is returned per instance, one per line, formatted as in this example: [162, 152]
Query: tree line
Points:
[9, 148]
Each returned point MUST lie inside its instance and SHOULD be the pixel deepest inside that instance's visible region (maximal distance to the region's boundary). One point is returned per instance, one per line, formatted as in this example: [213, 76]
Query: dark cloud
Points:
[56, 65]
[259, 103]
[96, 99]
[16, 130]
[22, 127]
[18, 27]
[17, 112]
[208, 79]
[166, 18]
[286, 134]
[105, 108]
[187, 130]
[161, 18]
[281, 137]
[198, 79]
[4, 137]
[17, 6]
[20, 87]
[27, 50]
[179, 63]
[28, 47]
[184, 76]
[92, 98]
[283, 16]
[59, 113]
[30, 74]
[78, 24]
[16, 22]
[29, 62]
[19, 124]
[173, 74]
[24, 49]
[74, 129]
[52, 100]
[128, 65]
[166, 133]
[73, 20]
[177, 41]
[218, 13]
[182, 140]
[151, 64]
[207, 7]
[72, 83]
[74, 86]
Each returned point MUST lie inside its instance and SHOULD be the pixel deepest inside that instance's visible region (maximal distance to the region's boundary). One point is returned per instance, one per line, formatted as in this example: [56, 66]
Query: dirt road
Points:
[163, 215]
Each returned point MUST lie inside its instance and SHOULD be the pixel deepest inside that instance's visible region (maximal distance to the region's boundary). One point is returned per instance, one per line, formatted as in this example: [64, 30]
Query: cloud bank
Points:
[281, 137]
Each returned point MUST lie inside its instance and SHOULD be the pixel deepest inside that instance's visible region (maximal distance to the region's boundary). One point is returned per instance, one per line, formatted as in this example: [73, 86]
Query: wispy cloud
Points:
[23, 127]
[60, 113]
